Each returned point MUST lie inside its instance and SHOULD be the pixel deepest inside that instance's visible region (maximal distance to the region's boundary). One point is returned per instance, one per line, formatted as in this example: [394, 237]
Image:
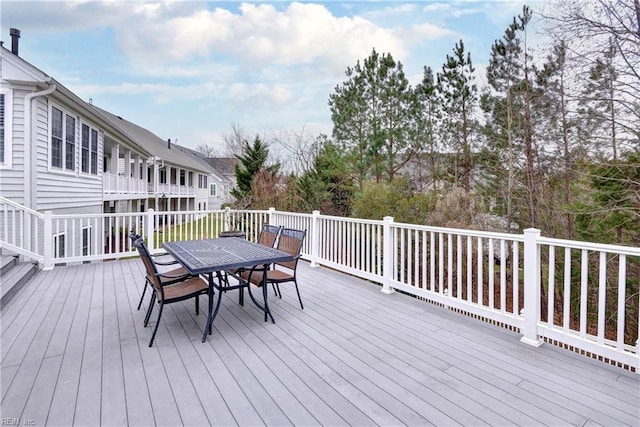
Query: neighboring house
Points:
[172, 179]
[61, 154]
[220, 190]
[218, 185]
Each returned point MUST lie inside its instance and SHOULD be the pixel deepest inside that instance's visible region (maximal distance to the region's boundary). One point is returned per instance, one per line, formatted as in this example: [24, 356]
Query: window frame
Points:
[92, 156]
[7, 162]
[87, 232]
[57, 240]
[65, 142]
[203, 181]
[213, 186]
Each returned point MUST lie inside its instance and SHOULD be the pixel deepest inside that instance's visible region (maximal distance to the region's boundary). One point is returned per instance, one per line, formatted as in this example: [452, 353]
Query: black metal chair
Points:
[269, 235]
[289, 241]
[180, 271]
[168, 289]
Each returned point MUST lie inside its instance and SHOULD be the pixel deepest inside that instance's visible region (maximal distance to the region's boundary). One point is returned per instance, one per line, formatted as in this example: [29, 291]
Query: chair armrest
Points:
[172, 262]
[179, 276]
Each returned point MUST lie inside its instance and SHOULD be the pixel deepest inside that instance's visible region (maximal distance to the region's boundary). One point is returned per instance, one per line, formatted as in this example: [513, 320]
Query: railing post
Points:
[47, 251]
[387, 255]
[270, 216]
[315, 238]
[149, 230]
[227, 218]
[531, 260]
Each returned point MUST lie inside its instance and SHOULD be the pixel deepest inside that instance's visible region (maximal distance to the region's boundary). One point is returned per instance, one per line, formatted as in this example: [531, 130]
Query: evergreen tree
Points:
[327, 186]
[252, 160]
[427, 127]
[459, 101]
[556, 128]
[613, 213]
[351, 127]
[373, 116]
[509, 153]
[598, 102]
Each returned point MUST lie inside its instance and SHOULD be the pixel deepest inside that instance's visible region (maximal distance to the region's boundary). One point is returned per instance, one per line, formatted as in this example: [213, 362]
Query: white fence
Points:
[579, 294]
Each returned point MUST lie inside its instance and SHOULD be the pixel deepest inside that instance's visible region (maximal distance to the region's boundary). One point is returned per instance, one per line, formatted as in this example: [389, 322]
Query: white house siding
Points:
[215, 202]
[58, 189]
[72, 229]
[12, 179]
[202, 197]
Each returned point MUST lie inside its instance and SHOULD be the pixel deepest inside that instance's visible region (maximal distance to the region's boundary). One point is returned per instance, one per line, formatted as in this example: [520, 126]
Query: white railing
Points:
[21, 230]
[583, 295]
[116, 184]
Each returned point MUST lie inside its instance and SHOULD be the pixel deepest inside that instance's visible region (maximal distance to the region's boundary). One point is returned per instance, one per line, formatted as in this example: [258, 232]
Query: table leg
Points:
[212, 313]
[264, 308]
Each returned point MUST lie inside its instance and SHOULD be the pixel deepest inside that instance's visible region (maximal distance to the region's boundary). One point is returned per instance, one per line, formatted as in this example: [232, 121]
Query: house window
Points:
[58, 246]
[163, 176]
[94, 152]
[6, 118]
[86, 241]
[183, 175]
[63, 140]
[213, 190]
[202, 181]
[1, 127]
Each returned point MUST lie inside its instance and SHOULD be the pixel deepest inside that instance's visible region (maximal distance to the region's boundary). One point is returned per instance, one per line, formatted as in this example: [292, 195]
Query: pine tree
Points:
[509, 151]
[252, 160]
[599, 100]
[459, 101]
[427, 126]
[373, 116]
[327, 186]
[556, 127]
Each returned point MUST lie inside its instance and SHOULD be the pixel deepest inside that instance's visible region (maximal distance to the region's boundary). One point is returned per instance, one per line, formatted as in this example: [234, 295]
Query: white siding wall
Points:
[57, 189]
[12, 179]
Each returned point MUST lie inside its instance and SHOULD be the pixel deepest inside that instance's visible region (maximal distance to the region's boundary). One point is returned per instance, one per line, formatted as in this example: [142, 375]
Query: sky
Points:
[190, 70]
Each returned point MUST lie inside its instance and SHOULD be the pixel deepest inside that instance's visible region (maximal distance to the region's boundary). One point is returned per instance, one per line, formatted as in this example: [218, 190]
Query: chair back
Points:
[269, 235]
[290, 242]
[133, 236]
[149, 265]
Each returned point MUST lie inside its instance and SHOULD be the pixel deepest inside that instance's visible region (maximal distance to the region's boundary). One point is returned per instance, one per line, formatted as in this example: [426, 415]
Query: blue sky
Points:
[187, 70]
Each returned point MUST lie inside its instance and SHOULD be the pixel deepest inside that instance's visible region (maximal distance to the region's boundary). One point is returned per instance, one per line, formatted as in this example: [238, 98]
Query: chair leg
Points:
[276, 289]
[152, 302]
[298, 292]
[144, 291]
[197, 304]
[157, 324]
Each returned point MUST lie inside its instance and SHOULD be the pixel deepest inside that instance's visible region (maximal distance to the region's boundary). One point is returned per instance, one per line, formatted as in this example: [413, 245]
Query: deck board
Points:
[74, 352]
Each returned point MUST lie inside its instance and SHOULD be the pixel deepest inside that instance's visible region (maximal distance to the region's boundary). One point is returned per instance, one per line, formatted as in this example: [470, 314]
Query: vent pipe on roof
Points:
[169, 143]
[15, 37]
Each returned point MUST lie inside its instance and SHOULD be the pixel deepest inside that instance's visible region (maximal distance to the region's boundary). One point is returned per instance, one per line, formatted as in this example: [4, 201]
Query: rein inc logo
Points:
[17, 421]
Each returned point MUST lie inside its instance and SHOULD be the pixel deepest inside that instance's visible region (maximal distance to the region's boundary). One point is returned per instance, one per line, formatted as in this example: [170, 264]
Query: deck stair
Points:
[13, 275]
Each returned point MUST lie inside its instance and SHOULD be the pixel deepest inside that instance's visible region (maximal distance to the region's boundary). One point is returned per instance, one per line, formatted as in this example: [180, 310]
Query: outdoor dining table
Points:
[214, 256]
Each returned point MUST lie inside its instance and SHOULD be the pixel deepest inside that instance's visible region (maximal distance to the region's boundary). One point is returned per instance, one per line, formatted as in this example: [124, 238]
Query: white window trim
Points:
[79, 151]
[89, 229]
[63, 170]
[8, 129]
[212, 186]
[56, 245]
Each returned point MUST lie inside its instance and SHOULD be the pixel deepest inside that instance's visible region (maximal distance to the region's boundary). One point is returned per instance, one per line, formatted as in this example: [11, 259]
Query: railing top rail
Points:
[259, 211]
[472, 233]
[600, 247]
[346, 219]
[20, 207]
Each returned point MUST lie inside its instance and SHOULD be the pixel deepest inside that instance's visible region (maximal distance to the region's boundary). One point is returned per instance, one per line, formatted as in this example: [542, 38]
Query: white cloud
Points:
[258, 35]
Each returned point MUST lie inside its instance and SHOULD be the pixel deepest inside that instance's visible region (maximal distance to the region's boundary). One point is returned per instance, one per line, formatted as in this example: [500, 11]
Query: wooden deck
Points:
[74, 352]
